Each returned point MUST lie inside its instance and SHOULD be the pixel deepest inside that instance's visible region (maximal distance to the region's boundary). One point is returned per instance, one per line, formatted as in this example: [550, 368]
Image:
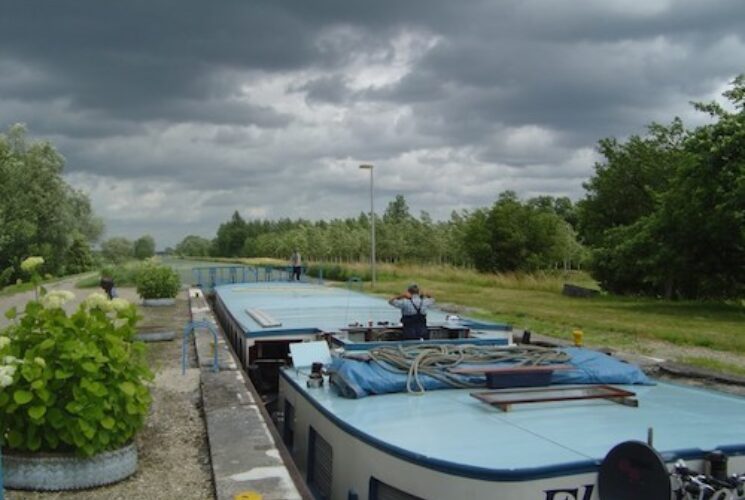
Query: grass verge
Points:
[715, 365]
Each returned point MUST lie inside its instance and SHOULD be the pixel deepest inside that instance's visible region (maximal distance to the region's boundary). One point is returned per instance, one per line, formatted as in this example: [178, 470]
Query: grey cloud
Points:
[259, 104]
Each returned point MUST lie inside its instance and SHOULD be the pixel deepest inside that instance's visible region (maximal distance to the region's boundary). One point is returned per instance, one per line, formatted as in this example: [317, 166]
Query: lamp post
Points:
[372, 225]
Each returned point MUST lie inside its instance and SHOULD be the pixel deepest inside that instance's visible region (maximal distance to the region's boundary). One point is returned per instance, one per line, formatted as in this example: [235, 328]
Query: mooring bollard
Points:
[578, 336]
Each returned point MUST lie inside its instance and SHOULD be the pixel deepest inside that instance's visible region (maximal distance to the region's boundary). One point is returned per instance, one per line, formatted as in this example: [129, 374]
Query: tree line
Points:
[663, 215]
[403, 237]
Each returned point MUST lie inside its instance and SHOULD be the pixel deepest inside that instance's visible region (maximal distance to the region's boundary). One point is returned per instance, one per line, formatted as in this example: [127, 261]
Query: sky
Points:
[171, 115]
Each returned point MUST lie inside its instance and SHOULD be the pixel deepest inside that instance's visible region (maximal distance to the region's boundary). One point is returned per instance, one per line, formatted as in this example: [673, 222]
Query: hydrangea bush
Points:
[73, 383]
[156, 281]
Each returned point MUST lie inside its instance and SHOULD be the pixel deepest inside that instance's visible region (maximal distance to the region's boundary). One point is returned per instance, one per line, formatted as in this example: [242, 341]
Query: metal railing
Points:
[207, 278]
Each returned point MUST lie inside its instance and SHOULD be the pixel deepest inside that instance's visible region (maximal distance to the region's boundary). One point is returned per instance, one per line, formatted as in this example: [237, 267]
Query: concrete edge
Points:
[246, 451]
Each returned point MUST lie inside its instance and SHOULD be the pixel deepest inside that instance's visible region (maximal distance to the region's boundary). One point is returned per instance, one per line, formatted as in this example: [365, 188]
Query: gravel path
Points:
[173, 452]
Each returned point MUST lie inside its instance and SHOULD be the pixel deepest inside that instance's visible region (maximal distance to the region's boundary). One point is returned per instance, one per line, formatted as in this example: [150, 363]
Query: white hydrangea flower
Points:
[56, 298]
[4, 341]
[31, 263]
[98, 300]
[8, 370]
[6, 375]
[119, 304]
[11, 360]
[51, 302]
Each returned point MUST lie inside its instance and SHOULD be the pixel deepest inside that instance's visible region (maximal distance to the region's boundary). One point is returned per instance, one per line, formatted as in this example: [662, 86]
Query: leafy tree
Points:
[231, 237]
[625, 185]
[513, 236]
[397, 211]
[117, 250]
[665, 214]
[194, 246]
[79, 257]
[144, 247]
[40, 214]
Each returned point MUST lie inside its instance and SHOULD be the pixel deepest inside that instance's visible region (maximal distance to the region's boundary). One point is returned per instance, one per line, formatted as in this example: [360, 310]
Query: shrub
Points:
[336, 272]
[72, 383]
[157, 282]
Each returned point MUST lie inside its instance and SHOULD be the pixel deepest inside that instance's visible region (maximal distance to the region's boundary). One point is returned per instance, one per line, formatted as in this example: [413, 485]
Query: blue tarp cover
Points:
[357, 379]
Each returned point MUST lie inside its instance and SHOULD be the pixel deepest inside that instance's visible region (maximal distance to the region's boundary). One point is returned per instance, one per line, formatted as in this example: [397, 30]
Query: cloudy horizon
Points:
[172, 115]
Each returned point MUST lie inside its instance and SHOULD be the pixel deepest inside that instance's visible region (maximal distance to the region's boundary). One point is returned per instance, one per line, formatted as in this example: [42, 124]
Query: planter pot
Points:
[62, 471]
[158, 302]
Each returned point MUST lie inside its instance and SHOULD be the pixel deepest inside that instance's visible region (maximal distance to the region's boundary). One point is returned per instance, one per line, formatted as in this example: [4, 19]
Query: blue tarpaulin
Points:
[358, 379]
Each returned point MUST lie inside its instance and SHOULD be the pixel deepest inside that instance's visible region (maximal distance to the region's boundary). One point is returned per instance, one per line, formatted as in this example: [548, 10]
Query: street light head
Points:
[366, 167]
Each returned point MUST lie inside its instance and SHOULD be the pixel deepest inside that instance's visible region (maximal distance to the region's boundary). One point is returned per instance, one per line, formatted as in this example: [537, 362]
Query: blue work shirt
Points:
[409, 306]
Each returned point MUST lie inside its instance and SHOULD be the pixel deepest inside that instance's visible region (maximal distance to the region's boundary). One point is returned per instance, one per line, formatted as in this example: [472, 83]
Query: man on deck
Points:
[413, 307]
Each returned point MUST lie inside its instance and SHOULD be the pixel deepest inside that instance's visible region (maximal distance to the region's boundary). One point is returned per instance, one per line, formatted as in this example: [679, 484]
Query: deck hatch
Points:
[263, 318]
[320, 465]
[382, 491]
[505, 398]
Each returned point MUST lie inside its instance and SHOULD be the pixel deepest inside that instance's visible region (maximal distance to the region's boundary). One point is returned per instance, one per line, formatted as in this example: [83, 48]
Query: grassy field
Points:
[535, 302]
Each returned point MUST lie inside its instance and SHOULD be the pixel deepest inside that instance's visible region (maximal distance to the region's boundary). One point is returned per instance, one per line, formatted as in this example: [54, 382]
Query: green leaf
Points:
[98, 389]
[72, 407]
[34, 443]
[88, 430]
[108, 423]
[44, 394]
[51, 438]
[37, 384]
[61, 374]
[15, 438]
[31, 371]
[127, 388]
[56, 418]
[22, 397]
[104, 438]
[4, 398]
[89, 367]
[11, 313]
[46, 345]
[36, 412]
[33, 439]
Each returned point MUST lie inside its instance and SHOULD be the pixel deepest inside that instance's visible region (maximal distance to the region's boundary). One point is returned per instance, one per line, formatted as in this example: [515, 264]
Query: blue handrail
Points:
[189, 328]
[208, 278]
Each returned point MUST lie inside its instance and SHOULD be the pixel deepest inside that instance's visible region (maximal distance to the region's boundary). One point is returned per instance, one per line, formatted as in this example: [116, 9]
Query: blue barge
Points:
[447, 444]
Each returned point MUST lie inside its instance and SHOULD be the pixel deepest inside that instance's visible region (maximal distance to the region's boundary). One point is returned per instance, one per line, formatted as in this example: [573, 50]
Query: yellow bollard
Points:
[577, 335]
[248, 495]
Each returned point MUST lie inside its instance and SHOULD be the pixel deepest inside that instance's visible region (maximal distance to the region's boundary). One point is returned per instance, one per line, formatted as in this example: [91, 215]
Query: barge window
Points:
[320, 465]
[381, 491]
[288, 426]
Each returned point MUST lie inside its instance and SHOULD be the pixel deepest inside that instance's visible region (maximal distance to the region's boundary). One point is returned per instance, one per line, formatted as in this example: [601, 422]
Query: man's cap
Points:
[413, 288]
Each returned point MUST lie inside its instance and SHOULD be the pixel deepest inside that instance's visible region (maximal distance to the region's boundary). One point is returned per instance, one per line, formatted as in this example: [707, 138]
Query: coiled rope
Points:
[435, 360]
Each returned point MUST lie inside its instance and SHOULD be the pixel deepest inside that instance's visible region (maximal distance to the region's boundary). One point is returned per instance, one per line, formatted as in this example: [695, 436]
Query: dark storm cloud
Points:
[238, 102]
